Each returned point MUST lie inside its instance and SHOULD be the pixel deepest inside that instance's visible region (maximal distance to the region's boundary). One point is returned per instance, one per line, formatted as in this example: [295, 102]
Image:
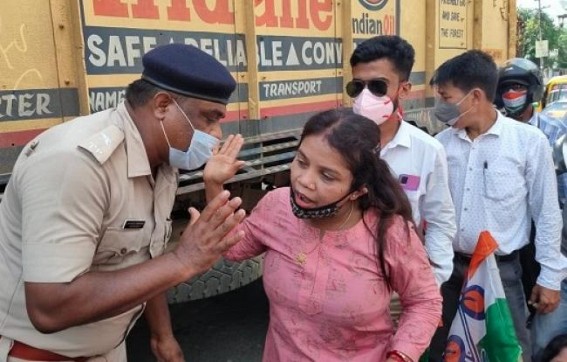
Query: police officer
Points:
[520, 85]
[84, 220]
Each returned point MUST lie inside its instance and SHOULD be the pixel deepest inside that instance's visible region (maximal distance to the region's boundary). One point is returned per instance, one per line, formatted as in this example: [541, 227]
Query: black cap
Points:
[189, 71]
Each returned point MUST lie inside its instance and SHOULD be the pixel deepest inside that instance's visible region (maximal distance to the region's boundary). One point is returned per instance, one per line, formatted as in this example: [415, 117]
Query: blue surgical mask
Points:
[199, 151]
[449, 113]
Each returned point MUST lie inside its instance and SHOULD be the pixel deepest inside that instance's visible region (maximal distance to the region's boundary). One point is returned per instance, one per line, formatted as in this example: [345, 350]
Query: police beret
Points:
[189, 71]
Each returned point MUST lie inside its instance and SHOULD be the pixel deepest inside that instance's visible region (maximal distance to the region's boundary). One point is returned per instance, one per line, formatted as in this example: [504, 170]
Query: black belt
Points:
[466, 258]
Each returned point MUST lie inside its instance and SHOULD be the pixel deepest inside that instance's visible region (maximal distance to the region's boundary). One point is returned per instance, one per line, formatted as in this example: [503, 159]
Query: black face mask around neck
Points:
[316, 212]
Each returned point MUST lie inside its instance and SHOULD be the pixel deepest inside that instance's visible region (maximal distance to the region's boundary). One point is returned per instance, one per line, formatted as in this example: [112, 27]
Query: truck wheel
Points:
[221, 278]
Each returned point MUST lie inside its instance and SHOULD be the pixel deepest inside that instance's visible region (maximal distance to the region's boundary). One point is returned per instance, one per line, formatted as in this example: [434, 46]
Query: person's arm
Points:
[219, 169]
[162, 341]
[257, 228]
[412, 278]
[544, 207]
[94, 296]
[438, 211]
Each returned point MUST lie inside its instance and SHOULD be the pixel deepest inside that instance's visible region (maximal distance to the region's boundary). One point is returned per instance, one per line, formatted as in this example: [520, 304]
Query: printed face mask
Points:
[376, 108]
[449, 113]
[316, 212]
[199, 151]
[514, 100]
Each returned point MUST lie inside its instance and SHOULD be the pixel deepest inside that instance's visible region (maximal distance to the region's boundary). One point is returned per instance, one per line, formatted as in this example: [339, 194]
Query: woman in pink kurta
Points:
[329, 269]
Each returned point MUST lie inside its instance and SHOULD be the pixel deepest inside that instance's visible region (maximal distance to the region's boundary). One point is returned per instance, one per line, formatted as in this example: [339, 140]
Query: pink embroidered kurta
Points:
[329, 300]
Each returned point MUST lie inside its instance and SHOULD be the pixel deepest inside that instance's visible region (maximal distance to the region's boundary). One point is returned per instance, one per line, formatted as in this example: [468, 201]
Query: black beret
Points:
[189, 71]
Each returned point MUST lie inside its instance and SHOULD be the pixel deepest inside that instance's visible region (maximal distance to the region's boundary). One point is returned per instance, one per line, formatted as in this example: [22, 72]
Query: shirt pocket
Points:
[116, 244]
[502, 186]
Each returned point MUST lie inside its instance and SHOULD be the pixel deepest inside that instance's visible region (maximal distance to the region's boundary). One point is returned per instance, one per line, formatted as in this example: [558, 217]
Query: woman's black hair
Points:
[357, 139]
[554, 347]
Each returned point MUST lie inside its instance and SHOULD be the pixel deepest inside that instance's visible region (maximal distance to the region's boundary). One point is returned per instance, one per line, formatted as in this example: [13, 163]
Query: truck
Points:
[63, 58]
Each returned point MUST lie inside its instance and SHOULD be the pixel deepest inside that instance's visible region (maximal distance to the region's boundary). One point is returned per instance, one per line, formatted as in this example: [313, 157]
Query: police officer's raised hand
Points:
[208, 234]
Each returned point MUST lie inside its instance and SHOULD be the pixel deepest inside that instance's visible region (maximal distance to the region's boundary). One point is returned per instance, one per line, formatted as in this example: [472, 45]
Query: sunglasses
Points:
[376, 86]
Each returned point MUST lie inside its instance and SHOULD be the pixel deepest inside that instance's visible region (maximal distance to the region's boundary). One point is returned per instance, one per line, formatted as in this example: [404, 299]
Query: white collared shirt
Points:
[419, 162]
[500, 181]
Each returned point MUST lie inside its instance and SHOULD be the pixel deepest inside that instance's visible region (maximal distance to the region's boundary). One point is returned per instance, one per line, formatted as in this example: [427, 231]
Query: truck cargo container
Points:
[63, 58]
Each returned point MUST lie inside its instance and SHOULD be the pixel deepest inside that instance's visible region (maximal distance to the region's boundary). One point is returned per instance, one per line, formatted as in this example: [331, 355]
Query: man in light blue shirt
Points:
[553, 130]
[546, 326]
[520, 84]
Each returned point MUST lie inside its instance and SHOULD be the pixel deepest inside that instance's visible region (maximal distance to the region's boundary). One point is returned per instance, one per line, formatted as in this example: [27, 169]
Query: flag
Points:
[483, 329]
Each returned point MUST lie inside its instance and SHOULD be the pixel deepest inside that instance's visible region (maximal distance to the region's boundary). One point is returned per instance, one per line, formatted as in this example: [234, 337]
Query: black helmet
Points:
[522, 71]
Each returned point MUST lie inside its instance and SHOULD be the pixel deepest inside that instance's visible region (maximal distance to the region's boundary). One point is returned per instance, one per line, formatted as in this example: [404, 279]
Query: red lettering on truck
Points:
[318, 13]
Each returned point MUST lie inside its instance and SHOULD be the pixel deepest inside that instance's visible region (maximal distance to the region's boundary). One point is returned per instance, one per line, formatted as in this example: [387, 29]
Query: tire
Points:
[223, 277]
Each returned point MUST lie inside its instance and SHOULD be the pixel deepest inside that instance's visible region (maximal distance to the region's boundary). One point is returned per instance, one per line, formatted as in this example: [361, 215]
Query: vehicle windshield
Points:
[557, 92]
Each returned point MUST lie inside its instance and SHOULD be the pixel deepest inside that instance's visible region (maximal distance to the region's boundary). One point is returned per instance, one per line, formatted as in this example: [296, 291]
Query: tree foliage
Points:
[529, 33]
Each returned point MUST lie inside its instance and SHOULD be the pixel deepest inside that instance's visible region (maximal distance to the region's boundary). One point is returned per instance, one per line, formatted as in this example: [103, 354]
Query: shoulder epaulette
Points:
[102, 144]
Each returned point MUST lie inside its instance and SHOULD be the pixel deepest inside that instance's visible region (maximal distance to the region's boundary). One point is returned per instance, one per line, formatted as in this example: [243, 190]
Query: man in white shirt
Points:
[381, 67]
[501, 175]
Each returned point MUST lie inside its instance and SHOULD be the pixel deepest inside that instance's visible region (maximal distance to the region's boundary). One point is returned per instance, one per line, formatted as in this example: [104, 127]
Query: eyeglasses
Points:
[376, 86]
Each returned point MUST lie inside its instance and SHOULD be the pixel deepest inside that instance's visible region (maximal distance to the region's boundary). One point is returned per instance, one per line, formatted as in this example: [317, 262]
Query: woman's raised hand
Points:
[223, 165]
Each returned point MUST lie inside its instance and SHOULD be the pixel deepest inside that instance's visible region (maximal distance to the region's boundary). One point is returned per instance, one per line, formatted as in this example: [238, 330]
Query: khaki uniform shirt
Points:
[81, 198]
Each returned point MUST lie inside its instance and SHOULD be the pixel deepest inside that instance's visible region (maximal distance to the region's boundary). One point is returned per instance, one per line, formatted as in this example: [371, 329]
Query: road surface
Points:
[229, 327]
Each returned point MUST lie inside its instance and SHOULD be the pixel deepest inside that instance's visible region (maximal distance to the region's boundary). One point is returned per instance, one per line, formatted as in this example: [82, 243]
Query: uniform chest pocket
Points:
[117, 244]
[502, 185]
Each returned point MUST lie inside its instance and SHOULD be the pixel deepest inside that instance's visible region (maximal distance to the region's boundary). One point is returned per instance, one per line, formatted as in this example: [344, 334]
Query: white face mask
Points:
[378, 109]
[199, 151]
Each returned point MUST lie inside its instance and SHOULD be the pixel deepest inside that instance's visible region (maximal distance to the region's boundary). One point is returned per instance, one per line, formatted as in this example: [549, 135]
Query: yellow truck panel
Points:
[62, 58]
